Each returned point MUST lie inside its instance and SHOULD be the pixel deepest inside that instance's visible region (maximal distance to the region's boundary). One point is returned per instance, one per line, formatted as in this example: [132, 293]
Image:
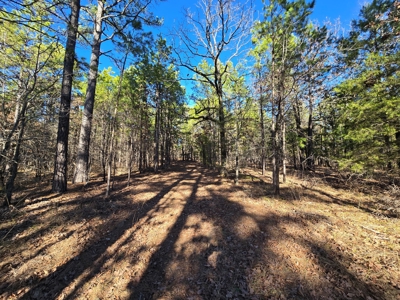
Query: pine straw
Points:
[342, 240]
[189, 234]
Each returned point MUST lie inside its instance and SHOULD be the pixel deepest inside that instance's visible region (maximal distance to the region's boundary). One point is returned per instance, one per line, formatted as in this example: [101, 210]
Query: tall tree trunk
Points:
[310, 138]
[262, 128]
[168, 141]
[222, 135]
[276, 114]
[19, 116]
[299, 133]
[103, 149]
[130, 158]
[157, 131]
[82, 159]
[141, 142]
[275, 154]
[221, 118]
[237, 153]
[162, 149]
[284, 150]
[398, 149]
[61, 159]
[111, 153]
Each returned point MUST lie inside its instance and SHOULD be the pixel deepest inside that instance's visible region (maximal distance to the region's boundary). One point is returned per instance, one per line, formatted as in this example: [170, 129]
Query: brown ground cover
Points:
[187, 233]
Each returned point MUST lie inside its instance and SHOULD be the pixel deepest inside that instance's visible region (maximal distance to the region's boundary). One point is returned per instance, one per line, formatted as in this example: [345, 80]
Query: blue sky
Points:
[346, 10]
[172, 11]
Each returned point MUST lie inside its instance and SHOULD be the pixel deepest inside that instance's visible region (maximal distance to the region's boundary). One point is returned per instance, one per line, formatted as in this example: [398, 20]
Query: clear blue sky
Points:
[172, 11]
[346, 10]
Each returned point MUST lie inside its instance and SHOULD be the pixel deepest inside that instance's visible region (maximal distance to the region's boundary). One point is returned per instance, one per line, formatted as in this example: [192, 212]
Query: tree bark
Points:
[130, 158]
[237, 151]
[310, 143]
[398, 148]
[156, 160]
[111, 153]
[310, 138]
[284, 150]
[275, 156]
[82, 159]
[276, 114]
[14, 163]
[262, 128]
[61, 159]
[221, 118]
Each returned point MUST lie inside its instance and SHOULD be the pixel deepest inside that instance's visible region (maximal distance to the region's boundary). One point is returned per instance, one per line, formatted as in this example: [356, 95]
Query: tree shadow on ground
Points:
[215, 248]
[117, 215]
[261, 187]
[207, 255]
[371, 207]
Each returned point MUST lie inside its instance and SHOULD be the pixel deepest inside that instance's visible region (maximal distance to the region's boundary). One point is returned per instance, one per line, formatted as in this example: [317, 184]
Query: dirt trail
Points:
[185, 234]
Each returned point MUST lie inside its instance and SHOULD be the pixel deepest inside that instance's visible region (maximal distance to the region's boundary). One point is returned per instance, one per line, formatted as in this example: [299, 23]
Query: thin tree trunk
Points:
[157, 131]
[14, 164]
[275, 136]
[222, 134]
[298, 165]
[141, 141]
[397, 135]
[237, 154]
[130, 158]
[284, 150]
[162, 151]
[275, 155]
[82, 159]
[262, 128]
[19, 112]
[221, 118]
[310, 141]
[103, 150]
[111, 154]
[18, 119]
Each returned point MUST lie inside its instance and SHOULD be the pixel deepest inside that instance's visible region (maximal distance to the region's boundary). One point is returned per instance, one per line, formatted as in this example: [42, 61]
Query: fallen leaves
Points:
[159, 239]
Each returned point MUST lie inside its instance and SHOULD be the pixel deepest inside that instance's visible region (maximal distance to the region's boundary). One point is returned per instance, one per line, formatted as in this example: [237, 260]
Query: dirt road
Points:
[182, 234]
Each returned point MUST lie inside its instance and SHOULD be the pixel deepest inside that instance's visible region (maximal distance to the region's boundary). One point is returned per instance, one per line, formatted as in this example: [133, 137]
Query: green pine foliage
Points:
[368, 102]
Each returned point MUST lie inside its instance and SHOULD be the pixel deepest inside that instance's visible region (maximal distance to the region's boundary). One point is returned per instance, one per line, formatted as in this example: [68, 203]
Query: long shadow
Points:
[221, 265]
[327, 259]
[94, 208]
[369, 207]
[218, 271]
[83, 263]
[156, 271]
[363, 207]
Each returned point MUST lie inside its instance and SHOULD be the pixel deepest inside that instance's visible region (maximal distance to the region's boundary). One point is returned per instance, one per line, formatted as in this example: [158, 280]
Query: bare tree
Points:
[220, 30]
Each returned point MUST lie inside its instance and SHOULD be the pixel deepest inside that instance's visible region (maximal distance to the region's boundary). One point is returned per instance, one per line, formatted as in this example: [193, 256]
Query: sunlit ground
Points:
[189, 234]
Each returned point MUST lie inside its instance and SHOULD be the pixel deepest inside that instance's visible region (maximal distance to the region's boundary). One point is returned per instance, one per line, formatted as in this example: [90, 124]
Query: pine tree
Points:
[368, 100]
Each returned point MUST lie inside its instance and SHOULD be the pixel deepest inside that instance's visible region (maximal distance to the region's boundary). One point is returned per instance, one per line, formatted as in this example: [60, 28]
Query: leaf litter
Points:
[187, 233]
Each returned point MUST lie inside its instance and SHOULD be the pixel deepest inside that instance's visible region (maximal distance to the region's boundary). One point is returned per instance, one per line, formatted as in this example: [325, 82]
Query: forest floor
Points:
[187, 233]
